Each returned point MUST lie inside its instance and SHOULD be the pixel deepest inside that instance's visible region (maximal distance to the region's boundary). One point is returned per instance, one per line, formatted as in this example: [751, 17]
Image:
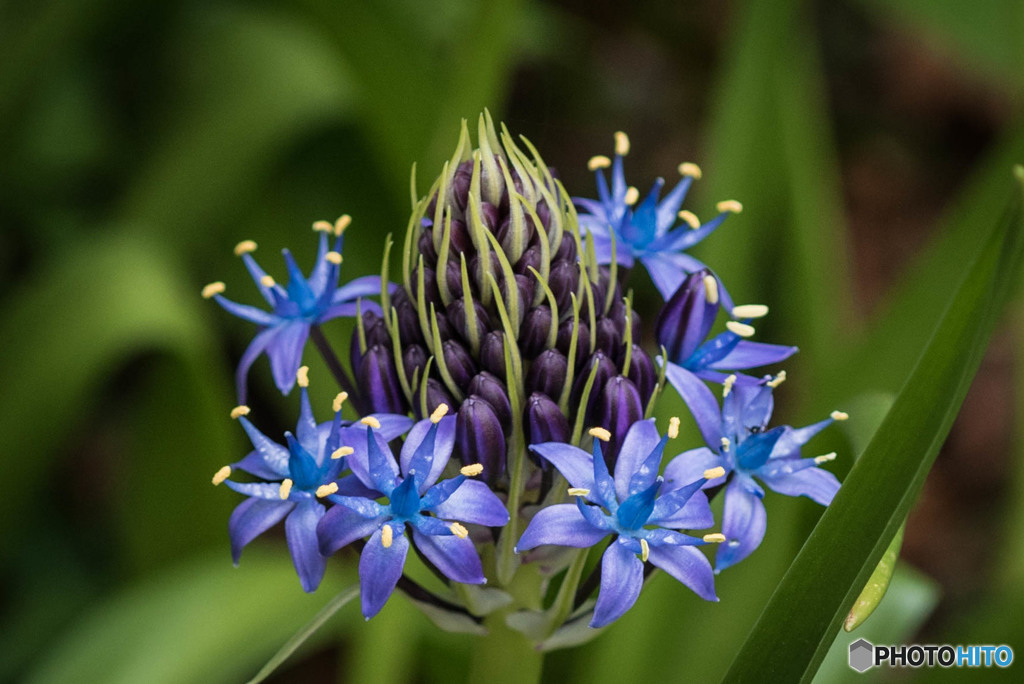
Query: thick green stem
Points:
[504, 656]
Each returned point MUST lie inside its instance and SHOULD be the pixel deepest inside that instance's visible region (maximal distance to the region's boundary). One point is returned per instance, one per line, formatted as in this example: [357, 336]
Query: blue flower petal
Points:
[255, 464]
[700, 401]
[379, 470]
[286, 353]
[789, 444]
[747, 354]
[248, 313]
[634, 471]
[306, 428]
[433, 460]
[622, 577]
[258, 345]
[744, 521]
[695, 514]
[380, 568]
[805, 479]
[559, 525]
[668, 208]
[340, 527]
[354, 289]
[689, 467]
[456, 558]
[251, 518]
[300, 531]
[260, 490]
[473, 502]
[575, 464]
[688, 565]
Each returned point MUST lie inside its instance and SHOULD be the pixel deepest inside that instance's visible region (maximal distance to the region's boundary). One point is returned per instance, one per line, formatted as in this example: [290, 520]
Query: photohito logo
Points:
[865, 655]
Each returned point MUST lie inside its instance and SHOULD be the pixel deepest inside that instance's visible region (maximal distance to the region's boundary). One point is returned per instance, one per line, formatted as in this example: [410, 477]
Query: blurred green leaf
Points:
[846, 544]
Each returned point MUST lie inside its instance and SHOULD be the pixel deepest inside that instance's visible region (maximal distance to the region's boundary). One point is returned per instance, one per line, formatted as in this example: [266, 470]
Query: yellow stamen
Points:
[221, 475]
[472, 470]
[750, 311]
[244, 247]
[342, 452]
[714, 538]
[711, 289]
[240, 411]
[673, 427]
[370, 421]
[326, 490]
[342, 223]
[645, 550]
[632, 195]
[302, 376]
[339, 400]
[726, 444]
[825, 458]
[741, 329]
[731, 206]
[689, 218]
[690, 169]
[213, 289]
[459, 531]
[779, 379]
[440, 412]
[386, 536]
[600, 433]
[839, 415]
[727, 385]
[578, 491]
[286, 488]
[322, 226]
[621, 144]
[599, 162]
[267, 281]
[712, 473]
[333, 257]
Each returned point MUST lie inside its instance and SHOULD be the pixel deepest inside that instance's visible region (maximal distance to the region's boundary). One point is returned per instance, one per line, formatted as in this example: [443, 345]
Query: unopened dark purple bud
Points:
[492, 353]
[686, 318]
[605, 371]
[459, 188]
[377, 333]
[618, 409]
[476, 271]
[461, 242]
[544, 214]
[459, 362]
[378, 381]
[547, 373]
[437, 394]
[444, 328]
[505, 231]
[533, 334]
[453, 277]
[414, 358]
[489, 216]
[426, 245]
[609, 337]
[642, 373]
[457, 317]
[565, 332]
[567, 248]
[372, 335]
[563, 280]
[479, 437]
[430, 291]
[408, 320]
[543, 422]
[492, 390]
[531, 259]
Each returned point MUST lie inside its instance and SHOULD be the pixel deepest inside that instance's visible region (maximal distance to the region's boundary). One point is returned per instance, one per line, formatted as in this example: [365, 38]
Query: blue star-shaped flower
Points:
[739, 442]
[305, 302]
[628, 506]
[647, 232]
[434, 510]
[299, 474]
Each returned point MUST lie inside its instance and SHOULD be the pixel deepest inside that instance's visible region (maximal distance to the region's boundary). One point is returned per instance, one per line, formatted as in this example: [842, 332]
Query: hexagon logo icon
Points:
[862, 655]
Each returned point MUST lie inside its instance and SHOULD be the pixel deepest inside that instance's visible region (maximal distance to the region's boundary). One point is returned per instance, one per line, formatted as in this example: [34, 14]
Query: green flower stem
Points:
[504, 656]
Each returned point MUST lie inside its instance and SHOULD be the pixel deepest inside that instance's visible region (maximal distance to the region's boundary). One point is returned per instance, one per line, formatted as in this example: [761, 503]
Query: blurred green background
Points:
[867, 140]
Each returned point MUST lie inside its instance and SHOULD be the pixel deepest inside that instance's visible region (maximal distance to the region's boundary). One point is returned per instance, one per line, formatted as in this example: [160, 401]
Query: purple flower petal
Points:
[340, 527]
[255, 464]
[575, 464]
[689, 467]
[668, 208]
[258, 345]
[700, 400]
[359, 287]
[792, 439]
[473, 502]
[632, 472]
[380, 568]
[685, 237]
[392, 425]
[286, 353]
[744, 522]
[622, 577]
[300, 531]
[456, 558]
[306, 430]
[695, 514]
[560, 525]
[747, 354]
[688, 565]
[251, 518]
[435, 460]
[259, 490]
[372, 461]
[249, 313]
[810, 481]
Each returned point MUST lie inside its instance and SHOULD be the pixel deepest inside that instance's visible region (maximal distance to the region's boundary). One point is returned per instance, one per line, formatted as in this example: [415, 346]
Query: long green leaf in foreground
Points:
[798, 625]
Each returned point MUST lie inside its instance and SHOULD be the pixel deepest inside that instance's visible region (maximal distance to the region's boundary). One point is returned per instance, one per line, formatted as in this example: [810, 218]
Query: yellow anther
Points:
[386, 536]
[322, 226]
[370, 421]
[673, 427]
[825, 458]
[459, 531]
[440, 412]
[689, 218]
[727, 385]
[240, 411]
[213, 289]
[578, 491]
[621, 144]
[339, 400]
[267, 281]
[286, 488]
[730, 206]
[712, 473]
[726, 444]
[244, 247]
[741, 329]
[302, 376]
[778, 380]
[714, 538]
[472, 470]
[326, 490]
[333, 257]
[342, 223]
[690, 169]
[598, 162]
[632, 195]
[342, 452]
[600, 433]
[645, 550]
[839, 415]
[221, 475]
[711, 289]
[750, 311]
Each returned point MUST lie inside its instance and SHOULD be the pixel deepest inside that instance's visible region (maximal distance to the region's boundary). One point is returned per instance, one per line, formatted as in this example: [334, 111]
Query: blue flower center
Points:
[405, 500]
[302, 467]
[636, 509]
